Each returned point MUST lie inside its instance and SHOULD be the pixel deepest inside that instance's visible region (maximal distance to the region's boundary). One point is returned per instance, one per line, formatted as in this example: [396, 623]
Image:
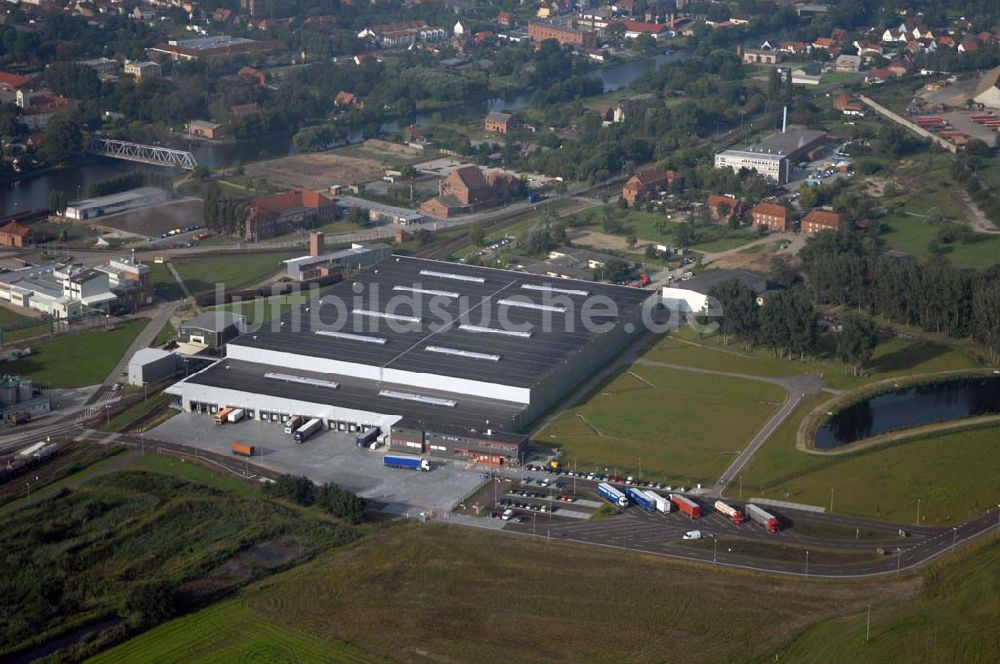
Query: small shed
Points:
[151, 365]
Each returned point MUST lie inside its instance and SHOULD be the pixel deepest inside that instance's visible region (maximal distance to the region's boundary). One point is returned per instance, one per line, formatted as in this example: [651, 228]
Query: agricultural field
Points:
[952, 619]
[892, 358]
[201, 275]
[87, 554]
[687, 427]
[77, 360]
[457, 594]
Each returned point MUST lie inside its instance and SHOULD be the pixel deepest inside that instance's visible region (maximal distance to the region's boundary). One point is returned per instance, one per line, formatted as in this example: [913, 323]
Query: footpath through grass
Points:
[77, 360]
[688, 427]
[462, 595]
[953, 619]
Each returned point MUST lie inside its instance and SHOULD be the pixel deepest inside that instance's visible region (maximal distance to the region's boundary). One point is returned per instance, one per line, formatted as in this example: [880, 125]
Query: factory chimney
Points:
[784, 120]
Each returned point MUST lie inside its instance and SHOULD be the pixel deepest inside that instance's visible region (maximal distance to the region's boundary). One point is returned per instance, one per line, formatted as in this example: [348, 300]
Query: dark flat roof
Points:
[469, 412]
[523, 361]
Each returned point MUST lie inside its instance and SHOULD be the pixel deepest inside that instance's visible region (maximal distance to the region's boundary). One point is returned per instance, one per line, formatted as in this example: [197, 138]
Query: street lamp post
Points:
[918, 511]
[831, 500]
[899, 560]
[741, 487]
[807, 562]
[954, 537]
[868, 626]
[715, 549]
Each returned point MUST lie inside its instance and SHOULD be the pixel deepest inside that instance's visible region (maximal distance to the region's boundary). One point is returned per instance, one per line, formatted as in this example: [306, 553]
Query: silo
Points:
[8, 390]
[25, 389]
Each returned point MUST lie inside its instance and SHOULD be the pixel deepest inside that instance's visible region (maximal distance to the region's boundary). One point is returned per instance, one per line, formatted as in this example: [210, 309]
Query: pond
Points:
[910, 407]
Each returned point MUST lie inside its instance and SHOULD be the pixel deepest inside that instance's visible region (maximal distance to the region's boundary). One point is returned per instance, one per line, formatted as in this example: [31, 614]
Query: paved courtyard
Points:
[329, 456]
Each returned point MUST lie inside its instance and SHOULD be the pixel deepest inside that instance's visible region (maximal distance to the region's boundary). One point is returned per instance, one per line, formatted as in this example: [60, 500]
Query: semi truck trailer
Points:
[735, 515]
[236, 415]
[293, 423]
[612, 495]
[686, 505]
[30, 451]
[763, 517]
[307, 429]
[662, 504]
[365, 438]
[222, 416]
[639, 497]
[409, 463]
[239, 449]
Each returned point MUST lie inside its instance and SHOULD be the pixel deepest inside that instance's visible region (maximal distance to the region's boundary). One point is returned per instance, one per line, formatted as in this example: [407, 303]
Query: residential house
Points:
[610, 114]
[467, 189]
[10, 84]
[868, 48]
[345, 99]
[143, 70]
[504, 20]
[847, 105]
[37, 108]
[723, 208]
[795, 47]
[243, 110]
[772, 216]
[825, 43]
[818, 221]
[968, 46]
[644, 185]
[402, 34]
[633, 29]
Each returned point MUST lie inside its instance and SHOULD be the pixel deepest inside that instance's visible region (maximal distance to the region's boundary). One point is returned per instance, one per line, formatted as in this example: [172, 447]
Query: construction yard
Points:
[316, 171]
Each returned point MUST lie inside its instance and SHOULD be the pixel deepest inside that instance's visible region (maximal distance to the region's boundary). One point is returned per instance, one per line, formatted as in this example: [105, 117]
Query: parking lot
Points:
[329, 456]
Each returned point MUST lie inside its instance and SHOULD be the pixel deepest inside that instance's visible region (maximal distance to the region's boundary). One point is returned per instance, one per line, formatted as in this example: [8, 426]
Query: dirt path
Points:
[979, 219]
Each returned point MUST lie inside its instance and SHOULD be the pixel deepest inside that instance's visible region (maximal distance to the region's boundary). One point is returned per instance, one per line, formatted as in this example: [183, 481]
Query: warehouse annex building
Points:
[438, 372]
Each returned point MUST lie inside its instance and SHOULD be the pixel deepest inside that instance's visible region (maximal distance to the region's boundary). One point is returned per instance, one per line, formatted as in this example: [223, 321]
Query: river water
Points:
[34, 192]
[910, 407]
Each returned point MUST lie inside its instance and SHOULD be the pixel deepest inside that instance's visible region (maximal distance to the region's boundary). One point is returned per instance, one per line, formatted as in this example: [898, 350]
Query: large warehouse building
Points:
[450, 359]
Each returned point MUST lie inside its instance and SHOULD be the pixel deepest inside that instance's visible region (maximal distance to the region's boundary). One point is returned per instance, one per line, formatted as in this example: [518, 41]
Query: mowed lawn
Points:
[201, 275]
[954, 476]
[412, 592]
[892, 357]
[76, 360]
[953, 619]
[688, 427]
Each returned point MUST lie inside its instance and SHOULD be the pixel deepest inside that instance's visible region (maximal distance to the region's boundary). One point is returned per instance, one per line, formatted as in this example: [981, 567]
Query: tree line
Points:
[852, 270]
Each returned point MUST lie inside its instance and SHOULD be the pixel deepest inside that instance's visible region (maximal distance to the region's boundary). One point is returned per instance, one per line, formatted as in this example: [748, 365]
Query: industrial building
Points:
[213, 46]
[151, 365]
[320, 263]
[212, 329]
[772, 156]
[19, 400]
[379, 213]
[92, 208]
[691, 296]
[66, 290]
[450, 359]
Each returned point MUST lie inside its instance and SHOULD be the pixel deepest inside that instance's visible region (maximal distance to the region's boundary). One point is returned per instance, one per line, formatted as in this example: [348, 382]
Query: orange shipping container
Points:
[242, 450]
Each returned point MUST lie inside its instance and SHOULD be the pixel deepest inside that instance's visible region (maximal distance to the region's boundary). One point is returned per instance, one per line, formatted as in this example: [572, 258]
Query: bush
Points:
[300, 490]
[151, 602]
[341, 503]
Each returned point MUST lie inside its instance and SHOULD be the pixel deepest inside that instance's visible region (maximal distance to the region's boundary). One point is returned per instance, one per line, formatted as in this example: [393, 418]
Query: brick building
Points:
[467, 189]
[728, 205]
[645, 184]
[818, 221]
[276, 215]
[499, 123]
[539, 32]
[770, 215]
[16, 235]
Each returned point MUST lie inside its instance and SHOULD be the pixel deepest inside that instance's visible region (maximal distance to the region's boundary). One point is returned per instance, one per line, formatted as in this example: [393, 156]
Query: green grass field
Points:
[163, 281]
[10, 318]
[76, 360]
[437, 593]
[686, 428]
[201, 275]
[166, 333]
[893, 357]
[953, 619]
[953, 475]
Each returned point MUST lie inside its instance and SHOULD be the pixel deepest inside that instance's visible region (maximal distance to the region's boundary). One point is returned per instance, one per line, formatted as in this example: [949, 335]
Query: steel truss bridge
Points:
[146, 154]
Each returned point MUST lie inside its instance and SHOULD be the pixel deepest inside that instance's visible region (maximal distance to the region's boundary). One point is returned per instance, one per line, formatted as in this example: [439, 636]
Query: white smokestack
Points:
[784, 120]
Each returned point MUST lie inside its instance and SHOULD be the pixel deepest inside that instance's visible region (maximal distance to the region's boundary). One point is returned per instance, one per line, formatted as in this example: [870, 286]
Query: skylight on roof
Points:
[468, 327]
[302, 380]
[424, 291]
[463, 353]
[387, 316]
[452, 275]
[421, 398]
[351, 337]
[525, 304]
[553, 289]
